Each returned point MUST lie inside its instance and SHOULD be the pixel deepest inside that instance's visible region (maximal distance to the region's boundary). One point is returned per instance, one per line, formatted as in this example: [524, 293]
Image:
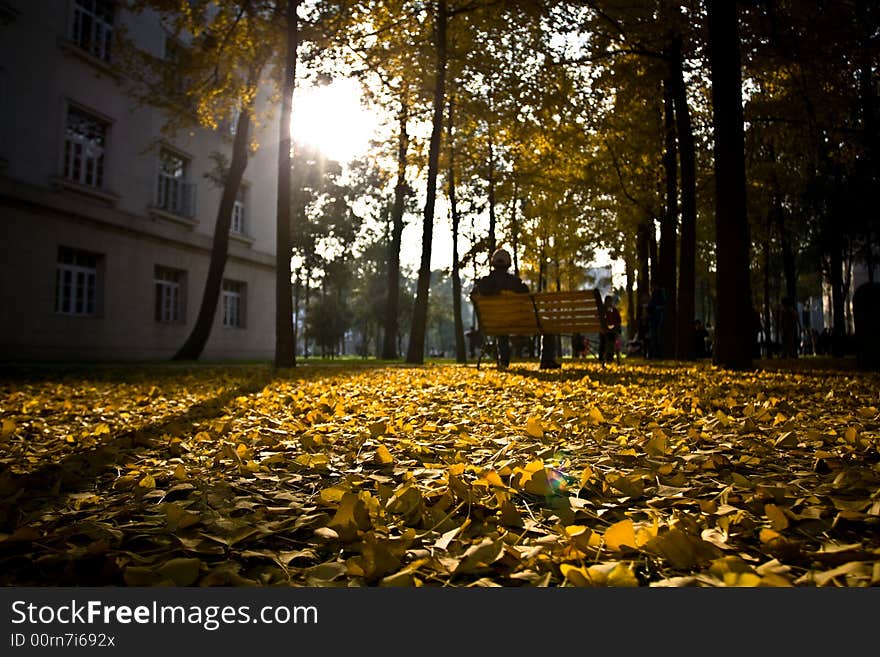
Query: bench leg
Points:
[489, 346]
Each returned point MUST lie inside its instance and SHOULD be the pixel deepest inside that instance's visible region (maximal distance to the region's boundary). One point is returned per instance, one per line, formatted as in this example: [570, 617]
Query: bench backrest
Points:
[508, 313]
[578, 311]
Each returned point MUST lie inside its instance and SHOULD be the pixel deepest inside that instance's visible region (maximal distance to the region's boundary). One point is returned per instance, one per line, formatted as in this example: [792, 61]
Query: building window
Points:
[177, 83]
[173, 193]
[92, 28]
[84, 145]
[170, 288]
[76, 282]
[233, 298]
[238, 213]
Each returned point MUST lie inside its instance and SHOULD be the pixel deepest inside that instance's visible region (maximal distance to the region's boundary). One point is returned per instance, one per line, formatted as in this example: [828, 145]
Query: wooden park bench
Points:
[537, 313]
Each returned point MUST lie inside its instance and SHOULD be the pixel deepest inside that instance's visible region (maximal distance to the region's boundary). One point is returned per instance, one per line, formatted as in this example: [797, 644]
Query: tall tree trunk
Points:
[684, 306]
[297, 292]
[460, 347]
[416, 349]
[836, 273]
[194, 345]
[654, 272]
[493, 221]
[392, 307]
[643, 283]
[838, 298]
[630, 297]
[868, 102]
[307, 300]
[733, 346]
[788, 268]
[285, 349]
[514, 230]
[768, 349]
[668, 224]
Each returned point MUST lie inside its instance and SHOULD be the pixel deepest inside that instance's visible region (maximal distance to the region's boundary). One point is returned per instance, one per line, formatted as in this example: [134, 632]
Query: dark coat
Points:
[498, 280]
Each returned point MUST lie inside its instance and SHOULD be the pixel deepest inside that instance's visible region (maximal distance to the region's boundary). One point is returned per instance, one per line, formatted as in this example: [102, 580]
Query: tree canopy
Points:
[570, 130]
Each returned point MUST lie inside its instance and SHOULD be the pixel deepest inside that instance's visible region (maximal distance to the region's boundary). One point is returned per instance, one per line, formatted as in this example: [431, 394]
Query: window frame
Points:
[238, 221]
[81, 294]
[175, 194]
[99, 40]
[70, 160]
[169, 290]
[233, 304]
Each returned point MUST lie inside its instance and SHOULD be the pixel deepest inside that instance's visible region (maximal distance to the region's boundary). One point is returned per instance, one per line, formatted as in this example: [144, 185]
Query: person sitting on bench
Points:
[498, 280]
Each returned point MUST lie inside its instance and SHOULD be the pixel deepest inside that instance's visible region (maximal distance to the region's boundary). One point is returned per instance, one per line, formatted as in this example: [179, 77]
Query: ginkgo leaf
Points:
[492, 478]
[587, 476]
[682, 549]
[333, 494]
[181, 571]
[620, 534]
[316, 461]
[778, 519]
[325, 573]
[148, 481]
[534, 427]
[378, 428]
[576, 575]
[383, 456]
[658, 445]
[402, 579]
[537, 479]
[510, 515]
[622, 575]
[769, 535]
[350, 517]
[580, 536]
[179, 518]
[742, 579]
[406, 501]
[631, 487]
[482, 554]
[379, 558]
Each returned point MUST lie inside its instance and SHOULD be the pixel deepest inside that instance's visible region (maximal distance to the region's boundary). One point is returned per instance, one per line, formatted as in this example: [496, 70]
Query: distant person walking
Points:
[656, 307]
[609, 341]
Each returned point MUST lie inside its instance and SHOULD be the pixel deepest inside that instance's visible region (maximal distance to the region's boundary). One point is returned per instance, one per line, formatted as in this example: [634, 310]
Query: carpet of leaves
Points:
[440, 475]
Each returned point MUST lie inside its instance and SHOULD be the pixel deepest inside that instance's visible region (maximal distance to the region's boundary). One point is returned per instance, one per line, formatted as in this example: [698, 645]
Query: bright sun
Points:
[332, 119]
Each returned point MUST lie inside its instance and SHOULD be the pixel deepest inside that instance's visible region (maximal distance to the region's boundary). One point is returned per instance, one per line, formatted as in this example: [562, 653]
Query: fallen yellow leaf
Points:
[534, 427]
[383, 456]
[620, 534]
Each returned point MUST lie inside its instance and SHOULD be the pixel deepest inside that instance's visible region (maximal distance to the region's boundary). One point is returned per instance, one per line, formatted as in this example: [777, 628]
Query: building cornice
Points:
[62, 201]
[70, 48]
